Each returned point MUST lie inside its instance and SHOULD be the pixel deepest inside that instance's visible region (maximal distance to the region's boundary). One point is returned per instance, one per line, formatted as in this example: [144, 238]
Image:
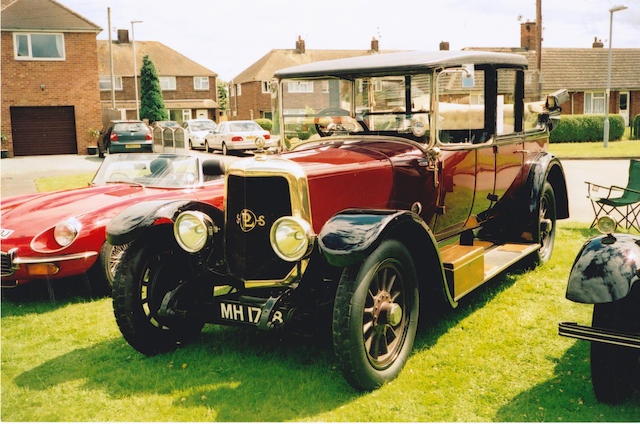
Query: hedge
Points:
[266, 124]
[635, 128]
[576, 128]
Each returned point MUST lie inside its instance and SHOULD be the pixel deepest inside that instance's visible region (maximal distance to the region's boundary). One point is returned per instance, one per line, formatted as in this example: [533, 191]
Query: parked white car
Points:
[196, 132]
[238, 136]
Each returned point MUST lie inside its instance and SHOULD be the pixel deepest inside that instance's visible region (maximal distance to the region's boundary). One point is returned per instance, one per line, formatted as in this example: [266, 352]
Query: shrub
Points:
[266, 124]
[577, 128]
[635, 128]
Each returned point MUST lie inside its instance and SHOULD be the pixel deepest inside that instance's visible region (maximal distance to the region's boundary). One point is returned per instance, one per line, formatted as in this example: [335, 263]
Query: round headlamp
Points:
[192, 230]
[606, 224]
[66, 232]
[291, 238]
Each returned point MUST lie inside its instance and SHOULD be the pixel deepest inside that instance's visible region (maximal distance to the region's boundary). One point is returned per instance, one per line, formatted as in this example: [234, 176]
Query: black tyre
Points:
[102, 273]
[206, 147]
[149, 269]
[615, 369]
[546, 225]
[375, 316]
[224, 149]
[190, 145]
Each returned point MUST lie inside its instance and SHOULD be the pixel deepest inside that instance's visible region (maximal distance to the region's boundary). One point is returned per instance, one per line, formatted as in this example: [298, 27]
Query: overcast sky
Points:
[228, 36]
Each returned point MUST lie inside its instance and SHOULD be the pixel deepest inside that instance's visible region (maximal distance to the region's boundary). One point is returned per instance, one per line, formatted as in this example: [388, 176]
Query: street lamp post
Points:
[135, 71]
[605, 135]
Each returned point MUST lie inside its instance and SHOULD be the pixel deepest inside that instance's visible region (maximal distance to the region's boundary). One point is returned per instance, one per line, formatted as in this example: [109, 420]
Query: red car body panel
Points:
[32, 215]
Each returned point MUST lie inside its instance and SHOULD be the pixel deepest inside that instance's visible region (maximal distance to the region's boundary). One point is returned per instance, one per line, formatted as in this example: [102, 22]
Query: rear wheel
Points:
[149, 269]
[546, 224]
[375, 316]
[206, 146]
[224, 149]
[615, 369]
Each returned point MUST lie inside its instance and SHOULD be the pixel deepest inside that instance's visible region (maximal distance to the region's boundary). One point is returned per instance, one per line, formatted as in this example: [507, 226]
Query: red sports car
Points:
[60, 234]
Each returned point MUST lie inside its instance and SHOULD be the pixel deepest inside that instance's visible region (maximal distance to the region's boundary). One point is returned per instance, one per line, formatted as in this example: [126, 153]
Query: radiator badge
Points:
[247, 220]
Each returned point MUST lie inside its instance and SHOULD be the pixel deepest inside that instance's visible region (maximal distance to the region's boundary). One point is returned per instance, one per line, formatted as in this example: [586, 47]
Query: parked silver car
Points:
[238, 136]
[197, 130]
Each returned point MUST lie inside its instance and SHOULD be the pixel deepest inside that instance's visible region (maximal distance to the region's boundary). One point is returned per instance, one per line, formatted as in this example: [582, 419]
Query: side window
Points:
[505, 102]
[461, 108]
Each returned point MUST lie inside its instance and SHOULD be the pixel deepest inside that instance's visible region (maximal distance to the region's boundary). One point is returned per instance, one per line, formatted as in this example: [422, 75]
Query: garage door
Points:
[49, 130]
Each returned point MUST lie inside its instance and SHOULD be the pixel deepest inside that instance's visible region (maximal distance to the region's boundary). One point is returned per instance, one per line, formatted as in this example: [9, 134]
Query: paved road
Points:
[18, 175]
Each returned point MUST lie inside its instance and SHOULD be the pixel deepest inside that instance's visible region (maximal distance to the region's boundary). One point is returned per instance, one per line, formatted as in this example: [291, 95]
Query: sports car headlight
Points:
[606, 224]
[66, 232]
[291, 238]
[192, 230]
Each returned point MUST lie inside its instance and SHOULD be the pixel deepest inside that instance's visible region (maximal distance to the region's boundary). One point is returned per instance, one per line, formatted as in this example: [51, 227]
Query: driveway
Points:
[603, 172]
[18, 176]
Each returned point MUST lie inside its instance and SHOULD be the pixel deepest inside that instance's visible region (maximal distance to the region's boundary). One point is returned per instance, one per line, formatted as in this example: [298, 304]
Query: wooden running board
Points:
[468, 267]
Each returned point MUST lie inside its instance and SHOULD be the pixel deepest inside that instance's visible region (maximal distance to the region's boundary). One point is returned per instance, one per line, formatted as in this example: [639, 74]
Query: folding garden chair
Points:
[627, 205]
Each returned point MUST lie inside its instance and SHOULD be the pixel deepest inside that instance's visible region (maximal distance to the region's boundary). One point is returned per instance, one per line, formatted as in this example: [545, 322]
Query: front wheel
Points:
[375, 316]
[615, 369]
[149, 269]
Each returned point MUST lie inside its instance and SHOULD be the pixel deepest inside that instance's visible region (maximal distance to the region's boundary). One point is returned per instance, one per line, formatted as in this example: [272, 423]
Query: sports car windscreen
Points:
[150, 170]
[385, 105]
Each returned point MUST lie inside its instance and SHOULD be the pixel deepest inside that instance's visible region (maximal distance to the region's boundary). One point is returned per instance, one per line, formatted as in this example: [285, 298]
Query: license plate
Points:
[132, 146]
[5, 233]
[240, 312]
[251, 137]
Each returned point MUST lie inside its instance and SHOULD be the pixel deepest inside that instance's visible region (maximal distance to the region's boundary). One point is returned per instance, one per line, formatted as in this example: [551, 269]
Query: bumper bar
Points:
[571, 329]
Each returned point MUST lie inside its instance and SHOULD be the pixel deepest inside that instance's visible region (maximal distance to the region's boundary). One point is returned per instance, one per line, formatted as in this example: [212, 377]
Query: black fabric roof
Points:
[400, 63]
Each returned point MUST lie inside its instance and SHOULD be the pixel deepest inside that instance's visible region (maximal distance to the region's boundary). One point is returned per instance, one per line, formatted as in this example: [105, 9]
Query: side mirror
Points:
[555, 99]
[212, 167]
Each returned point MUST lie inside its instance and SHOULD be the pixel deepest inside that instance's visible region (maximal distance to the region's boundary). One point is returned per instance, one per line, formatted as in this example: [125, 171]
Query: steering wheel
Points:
[332, 126]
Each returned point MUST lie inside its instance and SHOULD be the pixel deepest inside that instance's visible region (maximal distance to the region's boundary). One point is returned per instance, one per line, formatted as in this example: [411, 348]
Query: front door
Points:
[623, 103]
[202, 114]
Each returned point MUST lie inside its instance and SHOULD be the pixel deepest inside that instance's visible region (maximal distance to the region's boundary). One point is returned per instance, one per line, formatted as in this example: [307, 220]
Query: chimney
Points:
[374, 44]
[528, 35]
[300, 45]
[123, 36]
[444, 45]
[597, 44]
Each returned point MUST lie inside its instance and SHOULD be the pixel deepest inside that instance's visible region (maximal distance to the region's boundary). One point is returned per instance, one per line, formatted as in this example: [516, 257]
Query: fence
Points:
[169, 140]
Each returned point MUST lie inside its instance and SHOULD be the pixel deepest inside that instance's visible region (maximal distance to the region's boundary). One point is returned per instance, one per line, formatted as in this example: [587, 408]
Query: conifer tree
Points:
[151, 102]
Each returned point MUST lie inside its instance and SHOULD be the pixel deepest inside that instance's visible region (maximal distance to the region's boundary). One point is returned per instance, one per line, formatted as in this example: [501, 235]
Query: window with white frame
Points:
[201, 83]
[266, 87]
[300, 87]
[167, 83]
[238, 90]
[594, 102]
[105, 83]
[38, 46]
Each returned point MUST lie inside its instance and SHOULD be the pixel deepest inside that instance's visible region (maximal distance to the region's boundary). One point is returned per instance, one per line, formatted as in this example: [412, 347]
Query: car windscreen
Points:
[244, 126]
[152, 170]
[380, 105]
[202, 126]
[129, 127]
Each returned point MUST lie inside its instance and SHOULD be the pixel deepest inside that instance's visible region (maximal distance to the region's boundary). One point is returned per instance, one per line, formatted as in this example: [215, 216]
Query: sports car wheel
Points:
[615, 369]
[546, 223]
[102, 272]
[375, 316]
[149, 269]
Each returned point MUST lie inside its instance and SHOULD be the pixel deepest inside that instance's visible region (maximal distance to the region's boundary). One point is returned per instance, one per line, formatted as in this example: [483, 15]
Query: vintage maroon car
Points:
[59, 234]
[413, 179]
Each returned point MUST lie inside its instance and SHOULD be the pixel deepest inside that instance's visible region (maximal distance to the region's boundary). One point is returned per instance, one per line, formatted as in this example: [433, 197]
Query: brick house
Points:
[583, 72]
[50, 97]
[188, 89]
[250, 91]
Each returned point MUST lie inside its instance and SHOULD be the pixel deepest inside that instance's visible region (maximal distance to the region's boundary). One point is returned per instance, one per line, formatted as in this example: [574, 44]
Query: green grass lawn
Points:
[62, 182]
[615, 148]
[496, 358]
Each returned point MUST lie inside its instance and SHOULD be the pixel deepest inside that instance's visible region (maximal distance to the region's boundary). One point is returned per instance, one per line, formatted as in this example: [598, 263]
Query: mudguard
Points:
[351, 235]
[132, 222]
[546, 166]
[605, 270]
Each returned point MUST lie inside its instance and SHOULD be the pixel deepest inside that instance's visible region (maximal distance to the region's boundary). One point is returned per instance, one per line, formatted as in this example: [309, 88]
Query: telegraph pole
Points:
[539, 46]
